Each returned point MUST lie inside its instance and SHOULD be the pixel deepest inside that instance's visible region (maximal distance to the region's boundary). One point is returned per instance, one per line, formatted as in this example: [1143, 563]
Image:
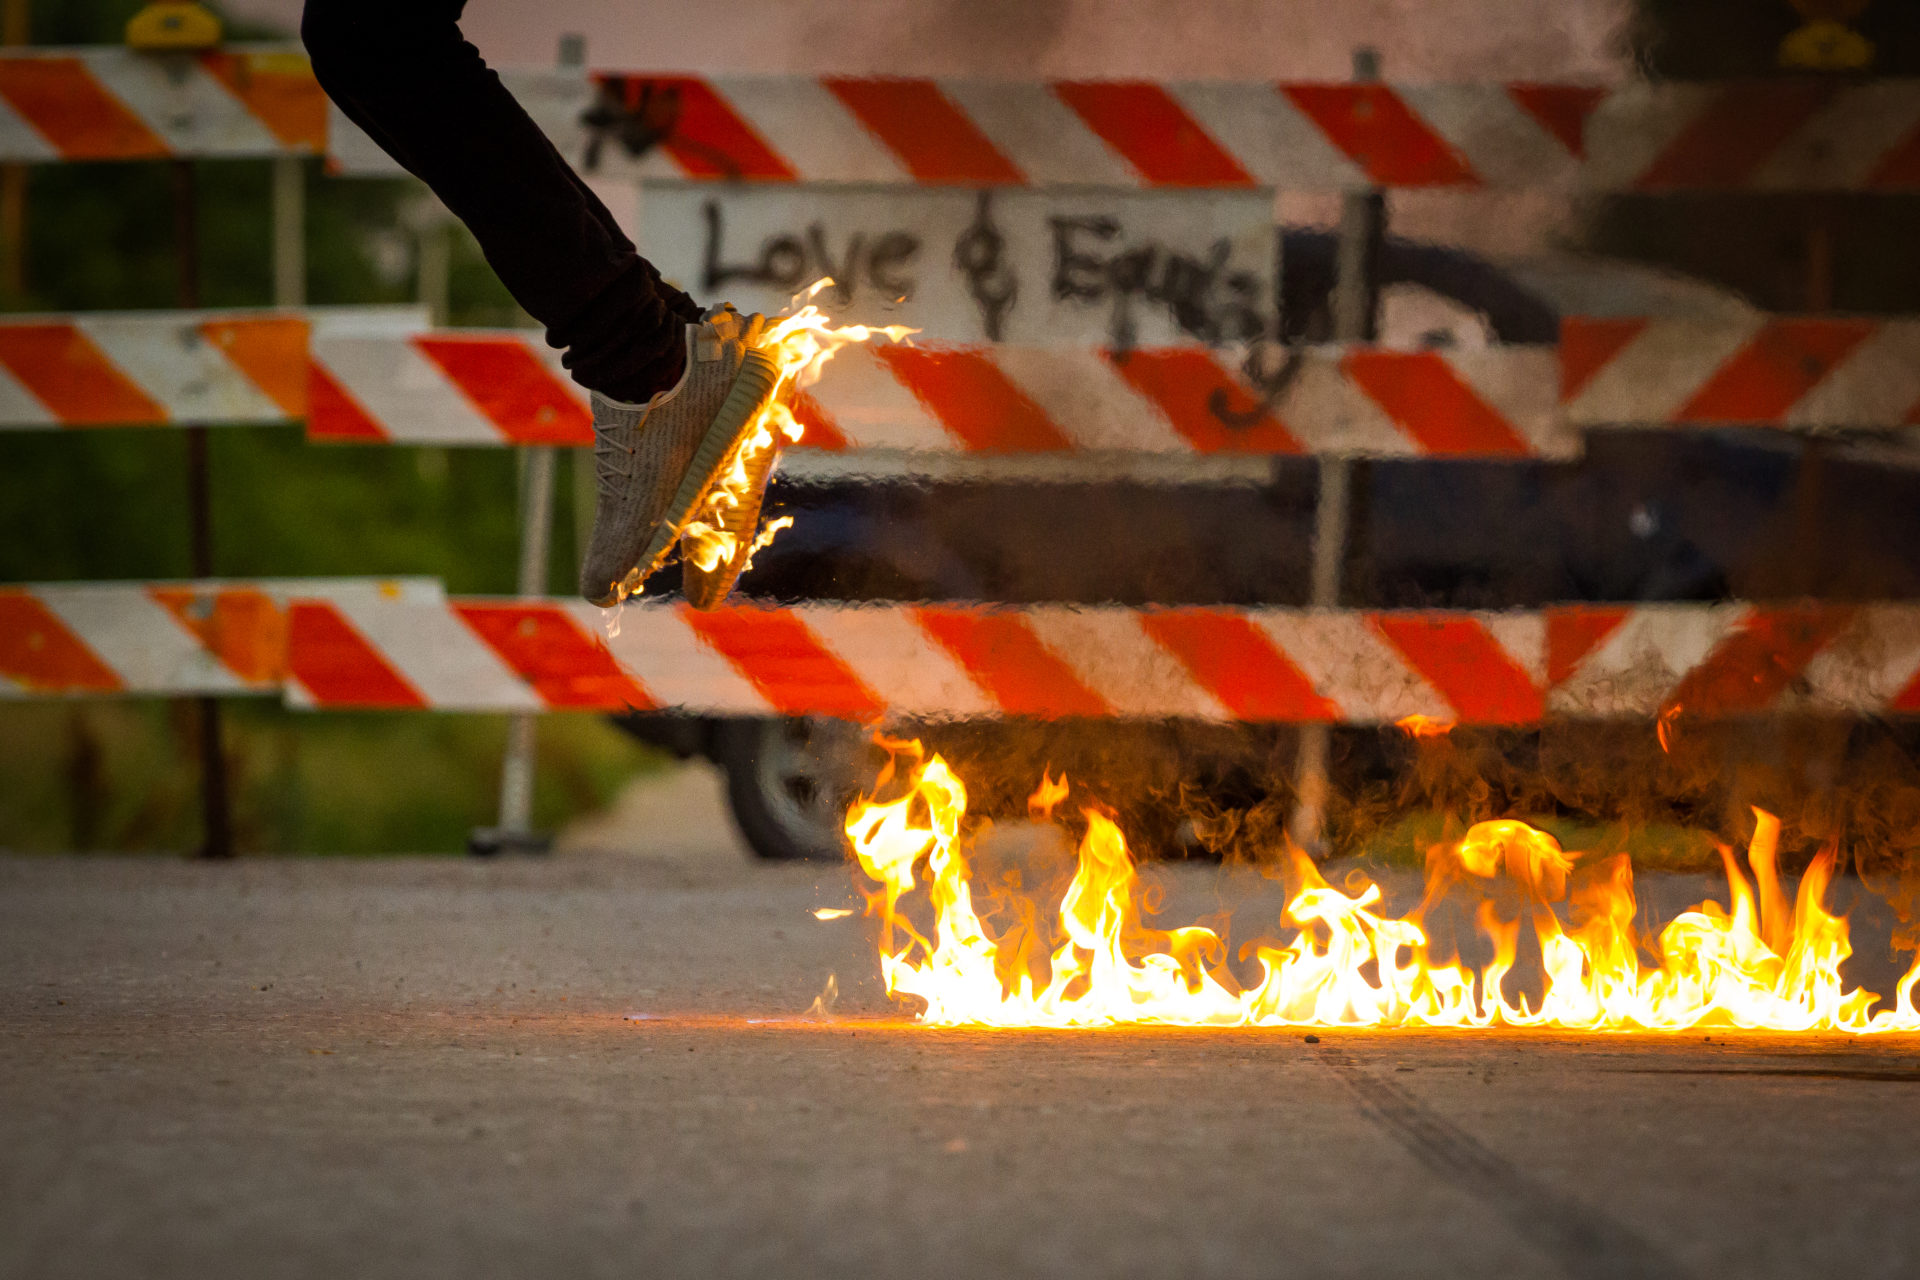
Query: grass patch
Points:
[122, 776]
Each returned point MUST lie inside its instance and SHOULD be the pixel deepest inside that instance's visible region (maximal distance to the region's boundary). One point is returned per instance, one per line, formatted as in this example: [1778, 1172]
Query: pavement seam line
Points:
[1585, 1242]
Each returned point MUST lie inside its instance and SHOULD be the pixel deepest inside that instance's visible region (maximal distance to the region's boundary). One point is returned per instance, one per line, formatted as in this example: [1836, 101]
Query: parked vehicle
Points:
[1643, 515]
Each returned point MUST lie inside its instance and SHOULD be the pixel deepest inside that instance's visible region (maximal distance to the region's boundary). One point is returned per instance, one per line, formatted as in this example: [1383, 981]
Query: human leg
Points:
[401, 70]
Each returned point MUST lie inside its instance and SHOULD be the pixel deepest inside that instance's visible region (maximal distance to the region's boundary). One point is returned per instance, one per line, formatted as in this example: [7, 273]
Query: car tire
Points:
[791, 781]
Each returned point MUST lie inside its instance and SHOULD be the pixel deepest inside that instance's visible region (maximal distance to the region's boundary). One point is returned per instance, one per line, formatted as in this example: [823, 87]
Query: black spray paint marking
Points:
[881, 265]
[1203, 297]
[1270, 386]
[1094, 264]
[979, 255]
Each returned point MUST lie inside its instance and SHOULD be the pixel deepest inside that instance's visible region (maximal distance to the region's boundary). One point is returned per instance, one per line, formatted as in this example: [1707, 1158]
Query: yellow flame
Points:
[1419, 726]
[801, 344]
[1765, 963]
[832, 913]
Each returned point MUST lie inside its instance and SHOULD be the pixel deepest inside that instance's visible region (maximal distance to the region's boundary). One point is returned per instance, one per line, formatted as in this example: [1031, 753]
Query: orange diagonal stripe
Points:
[279, 90]
[783, 659]
[238, 625]
[39, 651]
[66, 372]
[271, 351]
[1007, 659]
[74, 112]
[567, 666]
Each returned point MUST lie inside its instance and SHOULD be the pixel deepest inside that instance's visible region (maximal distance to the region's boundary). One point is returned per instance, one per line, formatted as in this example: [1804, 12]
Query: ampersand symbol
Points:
[979, 255]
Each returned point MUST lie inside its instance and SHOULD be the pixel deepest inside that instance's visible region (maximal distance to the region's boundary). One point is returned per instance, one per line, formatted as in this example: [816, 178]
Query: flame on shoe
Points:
[801, 344]
[1766, 963]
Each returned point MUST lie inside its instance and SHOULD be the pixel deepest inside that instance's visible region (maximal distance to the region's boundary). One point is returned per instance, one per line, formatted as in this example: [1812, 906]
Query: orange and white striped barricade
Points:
[908, 662]
[499, 388]
[172, 368]
[1304, 136]
[165, 638]
[904, 131]
[1817, 134]
[403, 644]
[1736, 659]
[1806, 372]
[111, 103]
[131, 368]
[381, 375]
[1357, 401]
[382, 383]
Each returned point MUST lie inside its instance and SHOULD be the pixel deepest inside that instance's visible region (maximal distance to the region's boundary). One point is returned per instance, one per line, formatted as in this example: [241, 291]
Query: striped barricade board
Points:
[1806, 373]
[1788, 371]
[381, 375]
[507, 388]
[403, 644]
[110, 103]
[133, 638]
[173, 368]
[106, 102]
[903, 661]
[150, 368]
[1774, 135]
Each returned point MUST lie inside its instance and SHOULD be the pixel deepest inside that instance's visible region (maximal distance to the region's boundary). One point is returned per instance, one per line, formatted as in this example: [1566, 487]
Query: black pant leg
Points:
[401, 71]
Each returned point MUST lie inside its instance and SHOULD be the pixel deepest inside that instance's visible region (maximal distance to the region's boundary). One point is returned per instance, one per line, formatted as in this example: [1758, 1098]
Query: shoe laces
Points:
[612, 456]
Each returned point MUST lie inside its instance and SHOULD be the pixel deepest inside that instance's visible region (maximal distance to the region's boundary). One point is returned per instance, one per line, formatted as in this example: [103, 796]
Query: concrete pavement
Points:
[423, 1067]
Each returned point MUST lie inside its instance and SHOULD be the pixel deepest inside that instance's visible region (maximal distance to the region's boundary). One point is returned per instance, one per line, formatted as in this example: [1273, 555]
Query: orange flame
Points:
[1763, 964]
[1663, 728]
[800, 344]
[1419, 726]
[1047, 796]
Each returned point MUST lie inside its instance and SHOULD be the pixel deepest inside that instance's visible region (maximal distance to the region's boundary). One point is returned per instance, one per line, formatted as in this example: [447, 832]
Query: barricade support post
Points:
[515, 833]
[289, 232]
[1355, 304]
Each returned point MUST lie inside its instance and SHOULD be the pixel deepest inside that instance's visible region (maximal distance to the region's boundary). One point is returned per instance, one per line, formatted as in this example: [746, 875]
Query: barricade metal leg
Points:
[1355, 303]
[15, 29]
[515, 830]
[216, 826]
[289, 232]
[1330, 516]
[433, 246]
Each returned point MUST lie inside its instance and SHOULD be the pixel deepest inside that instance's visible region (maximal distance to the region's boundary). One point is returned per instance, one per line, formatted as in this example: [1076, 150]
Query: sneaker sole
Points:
[752, 390]
[707, 589]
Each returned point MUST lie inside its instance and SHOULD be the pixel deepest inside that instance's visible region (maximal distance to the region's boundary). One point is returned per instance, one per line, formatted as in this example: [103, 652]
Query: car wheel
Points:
[790, 783]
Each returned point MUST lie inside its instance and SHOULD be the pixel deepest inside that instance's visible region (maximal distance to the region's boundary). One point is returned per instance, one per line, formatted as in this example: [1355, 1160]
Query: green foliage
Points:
[120, 776]
[112, 505]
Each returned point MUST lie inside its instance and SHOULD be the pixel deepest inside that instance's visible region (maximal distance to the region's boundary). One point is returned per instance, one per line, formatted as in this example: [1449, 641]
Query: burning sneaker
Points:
[719, 543]
[657, 463]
